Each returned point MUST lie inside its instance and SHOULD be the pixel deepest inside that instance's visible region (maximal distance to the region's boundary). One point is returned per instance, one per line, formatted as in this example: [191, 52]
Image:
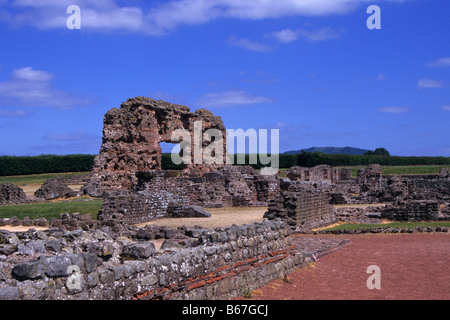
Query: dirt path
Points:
[220, 218]
[413, 267]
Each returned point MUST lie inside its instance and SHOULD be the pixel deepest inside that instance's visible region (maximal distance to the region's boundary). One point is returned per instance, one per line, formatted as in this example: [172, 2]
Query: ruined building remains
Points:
[131, 141]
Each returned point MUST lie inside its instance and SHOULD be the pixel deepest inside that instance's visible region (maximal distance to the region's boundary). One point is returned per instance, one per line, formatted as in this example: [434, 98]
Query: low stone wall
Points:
[65, 221]
[423, 189]
[302, 210]
[360, 215]
[382, 229]
[138, 207]
[228, 186]
[92, 265]
[413, 211]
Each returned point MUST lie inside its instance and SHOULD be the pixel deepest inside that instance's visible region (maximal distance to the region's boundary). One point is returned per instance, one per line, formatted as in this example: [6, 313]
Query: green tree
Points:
[378, 152]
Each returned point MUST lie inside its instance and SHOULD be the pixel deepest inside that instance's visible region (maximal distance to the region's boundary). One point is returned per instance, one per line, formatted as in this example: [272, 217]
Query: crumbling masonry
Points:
[112, 258]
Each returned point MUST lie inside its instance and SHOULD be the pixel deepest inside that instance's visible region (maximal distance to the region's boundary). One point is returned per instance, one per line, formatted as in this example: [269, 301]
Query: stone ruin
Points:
[54, 188]
[118, 260]
[131, 141]
[11, 194]
[127, 173]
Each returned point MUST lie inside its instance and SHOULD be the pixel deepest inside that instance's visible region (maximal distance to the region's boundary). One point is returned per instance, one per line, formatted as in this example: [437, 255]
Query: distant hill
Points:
[331, 150]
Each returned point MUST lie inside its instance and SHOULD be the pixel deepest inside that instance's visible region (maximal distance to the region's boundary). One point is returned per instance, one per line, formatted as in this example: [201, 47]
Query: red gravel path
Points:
[413, 267]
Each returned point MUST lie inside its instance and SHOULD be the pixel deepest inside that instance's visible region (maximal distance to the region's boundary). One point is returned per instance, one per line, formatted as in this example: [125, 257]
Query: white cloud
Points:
[446, 107]
[395, 109]
[429, 83]
[13, 114]
[29, 87]
[443, 62]
[231, 98]
[163, 17]
[289, 35]
[248, 44]
[285, 36]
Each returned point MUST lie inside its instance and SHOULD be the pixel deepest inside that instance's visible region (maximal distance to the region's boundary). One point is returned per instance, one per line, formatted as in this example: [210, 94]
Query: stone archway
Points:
[131, 137]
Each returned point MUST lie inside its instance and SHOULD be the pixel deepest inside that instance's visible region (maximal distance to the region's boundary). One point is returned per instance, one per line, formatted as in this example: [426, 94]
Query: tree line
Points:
[23, 165]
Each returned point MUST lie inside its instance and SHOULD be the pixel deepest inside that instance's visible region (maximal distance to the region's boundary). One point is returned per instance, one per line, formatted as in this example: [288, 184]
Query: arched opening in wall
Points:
[170, 153]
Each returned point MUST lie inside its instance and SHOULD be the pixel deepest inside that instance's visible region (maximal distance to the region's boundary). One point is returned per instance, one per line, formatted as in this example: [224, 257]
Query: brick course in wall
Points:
[301, 207]
[225, 262]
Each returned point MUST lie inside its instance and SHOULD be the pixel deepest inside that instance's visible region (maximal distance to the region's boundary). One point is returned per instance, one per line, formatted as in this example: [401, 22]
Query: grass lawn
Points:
[398, 170]
[50, 210]
[355, 226]
[37, 178]
[387, 170]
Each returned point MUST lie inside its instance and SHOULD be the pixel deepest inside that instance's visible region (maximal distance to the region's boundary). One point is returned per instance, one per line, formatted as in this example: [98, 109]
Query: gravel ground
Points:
[412, 267]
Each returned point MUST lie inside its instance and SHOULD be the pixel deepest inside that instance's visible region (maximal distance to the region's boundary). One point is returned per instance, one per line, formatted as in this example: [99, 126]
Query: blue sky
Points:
[311, 69]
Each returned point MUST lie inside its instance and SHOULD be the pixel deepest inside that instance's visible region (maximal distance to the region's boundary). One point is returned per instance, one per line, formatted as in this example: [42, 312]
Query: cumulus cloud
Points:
[248, 44]
[231, 98]
[446, 107]
[29, 87]
[289, 35]
[13, 114]
[395, 109]
[429, 83]
[443, 62]
[164, 16]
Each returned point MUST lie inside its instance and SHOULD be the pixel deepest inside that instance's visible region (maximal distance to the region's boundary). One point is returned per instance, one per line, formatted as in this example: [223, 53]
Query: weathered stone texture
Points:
[131, 137]
[412, 211]
[133, 207]
[54, 188]
[11, 194]
[370, 178]
[303, 209]
[217, 264]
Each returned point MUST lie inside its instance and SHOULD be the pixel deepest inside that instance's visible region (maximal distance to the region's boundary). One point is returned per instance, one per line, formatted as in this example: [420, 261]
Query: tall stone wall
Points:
[131, 137]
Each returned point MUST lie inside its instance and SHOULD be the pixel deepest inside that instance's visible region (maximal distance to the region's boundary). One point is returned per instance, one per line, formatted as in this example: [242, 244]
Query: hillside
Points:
[331, 150]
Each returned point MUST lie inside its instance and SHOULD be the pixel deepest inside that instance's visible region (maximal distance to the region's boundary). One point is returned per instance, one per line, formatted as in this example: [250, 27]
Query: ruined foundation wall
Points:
[226, 187]
[301, 207]
[427, 210]
[133, 208]
[226, 262]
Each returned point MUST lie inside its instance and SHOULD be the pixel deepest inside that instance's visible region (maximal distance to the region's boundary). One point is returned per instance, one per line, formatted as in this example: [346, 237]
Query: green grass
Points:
[398, 170]
[355, 226]
[393, 170]
[36, 178]
[50, 210]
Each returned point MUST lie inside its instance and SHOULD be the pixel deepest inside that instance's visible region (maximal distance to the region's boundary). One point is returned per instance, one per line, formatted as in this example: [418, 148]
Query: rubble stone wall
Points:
[92, 265]
[413, 211]
[133, 207]
[131, 137]
[303, 209]
[11, 194]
